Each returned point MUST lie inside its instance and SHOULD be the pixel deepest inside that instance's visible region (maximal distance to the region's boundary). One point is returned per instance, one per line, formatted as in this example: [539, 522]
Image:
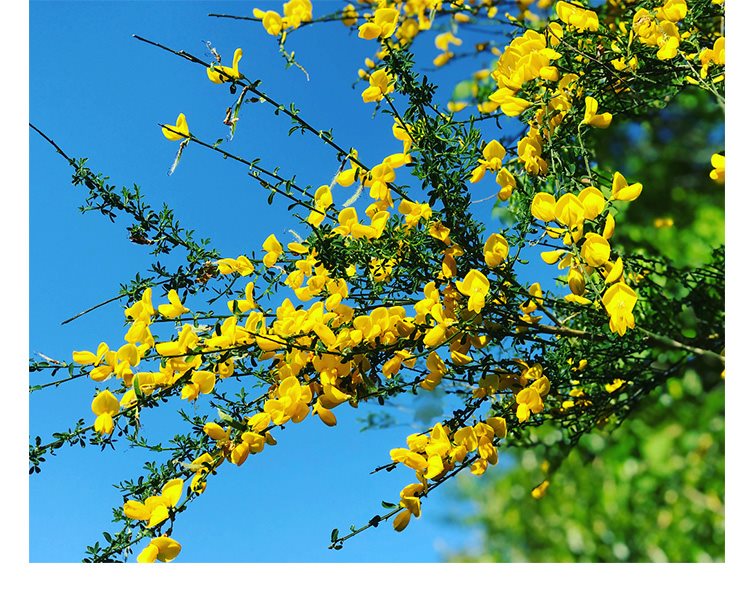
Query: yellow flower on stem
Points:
[323, 201]
[271, 21]
[543, 207]
[592, 201]
[592, 118]
[164, 549]
[578, 18]
[201, 382]
[476, 286]
[349, 15]
[539, 491]
[495, 250]
[619, 301]
[380, 85]
[219, 74]
[241, 265]
[673, 10]
[178, 131]
[595, 250]
[273, 250]
[410, 459]
[492, 158]
[104, 405]
[85, 357]
[174, 309]
[383, 24]
[155, 509]
[622, 190]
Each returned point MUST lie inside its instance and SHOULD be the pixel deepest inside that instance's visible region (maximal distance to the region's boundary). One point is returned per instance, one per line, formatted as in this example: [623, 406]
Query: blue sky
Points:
[100, 94]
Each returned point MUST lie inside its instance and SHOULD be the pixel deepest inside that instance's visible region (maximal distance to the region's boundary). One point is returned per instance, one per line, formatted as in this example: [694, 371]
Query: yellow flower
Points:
[578, 18]
[614, 385]
[495, 250]
[201, 382]
[673, 10]
[619, 301]
[291, 402]
[539, 491]
[543, 207]
[325, 415]
[595, 250]
[717, 174]
[410, 459]
[297, 12]
[414, 212]
[442, 41]
[215, 431]
[273, 250]
[380, 85]
[104, 405]
[410, 499]
[507, 184]
[592, 118]
[668, 40]
[529, 401]
[476, 286]
[164, 549]
[241, 265]
[178, 131]
[576, 282]
[592, 201]
[85, 357]
[323, 201]
[155, 509]
[492, 154]
[219, 74]
[553, 256]
[271, 21]
[623, 191]
[349, 15]
[174, 309]
[569, 210]
[383, 24]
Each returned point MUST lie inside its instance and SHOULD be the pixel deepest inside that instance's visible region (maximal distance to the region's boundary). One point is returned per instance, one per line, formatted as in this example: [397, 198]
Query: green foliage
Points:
[671, 151]
[651, 491]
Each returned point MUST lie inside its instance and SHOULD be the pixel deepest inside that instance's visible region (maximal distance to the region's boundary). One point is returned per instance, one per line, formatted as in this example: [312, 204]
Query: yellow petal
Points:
[168, 548]
[401, 521]
[136, 510]
[158, 515]
[84, 357]
[105, 402]
[172, 491]
[148, 555]
[104, 424]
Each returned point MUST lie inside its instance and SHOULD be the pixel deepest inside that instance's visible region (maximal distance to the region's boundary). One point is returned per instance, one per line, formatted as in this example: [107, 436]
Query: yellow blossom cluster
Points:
[588, 252]
[436, 453]
[295, 13]
[660, 27]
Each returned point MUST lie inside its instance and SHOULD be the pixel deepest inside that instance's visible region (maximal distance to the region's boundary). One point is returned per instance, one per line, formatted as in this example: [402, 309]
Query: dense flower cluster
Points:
[323, 330]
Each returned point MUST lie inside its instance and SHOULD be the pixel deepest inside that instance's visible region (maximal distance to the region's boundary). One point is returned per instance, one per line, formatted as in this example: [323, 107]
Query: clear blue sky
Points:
[100, 94]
